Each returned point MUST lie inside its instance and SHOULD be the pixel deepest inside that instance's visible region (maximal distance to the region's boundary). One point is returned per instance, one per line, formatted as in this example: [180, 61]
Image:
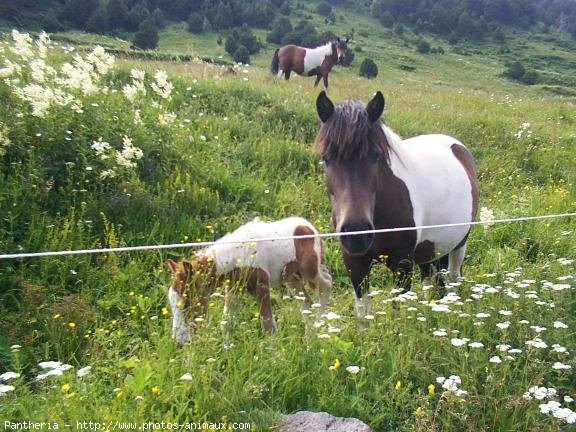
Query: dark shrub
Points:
[241, 55]
[423, 46]
[368, 68]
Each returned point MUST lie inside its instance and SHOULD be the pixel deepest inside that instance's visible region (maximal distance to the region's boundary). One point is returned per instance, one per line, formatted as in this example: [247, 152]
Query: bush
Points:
[368, 68]
[241, 55]
[423, 47]
[515, 71]
[530, 77]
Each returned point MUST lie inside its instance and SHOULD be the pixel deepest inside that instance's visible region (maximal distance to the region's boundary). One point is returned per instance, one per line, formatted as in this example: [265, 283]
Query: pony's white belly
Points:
[439, 187]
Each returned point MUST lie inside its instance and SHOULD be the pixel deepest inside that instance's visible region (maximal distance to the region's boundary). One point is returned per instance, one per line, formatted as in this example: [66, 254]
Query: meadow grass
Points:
[221, 149]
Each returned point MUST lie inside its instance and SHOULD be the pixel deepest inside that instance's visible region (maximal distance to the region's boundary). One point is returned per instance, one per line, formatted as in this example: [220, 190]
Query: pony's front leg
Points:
[326, 81]
[318, 78]
[359, 268]
[403, 273]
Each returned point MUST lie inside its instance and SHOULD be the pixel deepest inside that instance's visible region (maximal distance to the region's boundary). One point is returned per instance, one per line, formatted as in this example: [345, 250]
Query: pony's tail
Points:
[275, 62]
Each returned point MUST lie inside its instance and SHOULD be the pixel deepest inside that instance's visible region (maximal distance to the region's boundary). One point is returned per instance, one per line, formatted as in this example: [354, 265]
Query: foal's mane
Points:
[350, 135]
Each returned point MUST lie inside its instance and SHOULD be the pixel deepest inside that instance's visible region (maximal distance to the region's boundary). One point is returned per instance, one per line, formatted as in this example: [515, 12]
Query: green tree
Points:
[98, 22]
[147, 36]
[118, 16]
[195, 23]
[368, 68]
[50, 22]
[78, 12]
[324, 9]
[223, 17]
[280, 28]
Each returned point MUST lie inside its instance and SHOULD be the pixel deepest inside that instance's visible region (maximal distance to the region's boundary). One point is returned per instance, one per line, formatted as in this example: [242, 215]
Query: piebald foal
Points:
[249, 255]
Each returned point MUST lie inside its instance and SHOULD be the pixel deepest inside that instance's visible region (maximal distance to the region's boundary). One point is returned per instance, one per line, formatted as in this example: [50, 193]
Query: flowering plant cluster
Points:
[77, 91]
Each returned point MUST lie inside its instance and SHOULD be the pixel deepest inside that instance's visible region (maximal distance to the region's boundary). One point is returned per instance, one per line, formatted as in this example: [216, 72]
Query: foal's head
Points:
[193, 280]
[353, 147]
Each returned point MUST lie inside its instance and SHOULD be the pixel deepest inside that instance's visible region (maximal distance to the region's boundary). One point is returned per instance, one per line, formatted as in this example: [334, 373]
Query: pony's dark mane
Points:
[350, 135]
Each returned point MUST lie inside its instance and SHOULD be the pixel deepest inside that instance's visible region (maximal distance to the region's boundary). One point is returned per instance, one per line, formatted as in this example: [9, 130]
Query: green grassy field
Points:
[219, 149]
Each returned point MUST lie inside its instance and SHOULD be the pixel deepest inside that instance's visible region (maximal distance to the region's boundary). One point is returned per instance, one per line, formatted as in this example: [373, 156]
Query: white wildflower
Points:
[6, 376]
[83, 371]
[486, 217]
[22, 45]
[561, 366]
[459, 342]
[5, 389]
[353, 369]
[161, 85]
[560, 325]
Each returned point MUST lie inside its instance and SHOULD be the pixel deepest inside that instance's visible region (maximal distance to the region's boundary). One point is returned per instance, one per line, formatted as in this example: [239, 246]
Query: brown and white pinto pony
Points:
[309, 61]
[249, 255]
[376, 180]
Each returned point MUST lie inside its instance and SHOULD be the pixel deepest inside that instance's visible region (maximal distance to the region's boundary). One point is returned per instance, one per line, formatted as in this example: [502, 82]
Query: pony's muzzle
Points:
[357, 244]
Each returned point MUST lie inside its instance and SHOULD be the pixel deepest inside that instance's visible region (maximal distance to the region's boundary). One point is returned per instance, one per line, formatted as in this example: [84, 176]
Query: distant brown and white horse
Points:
[249, 255]
[376, 180]
[309, 61]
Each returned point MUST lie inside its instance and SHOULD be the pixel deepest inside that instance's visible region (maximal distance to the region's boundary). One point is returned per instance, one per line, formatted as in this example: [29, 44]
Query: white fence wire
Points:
[321, 235]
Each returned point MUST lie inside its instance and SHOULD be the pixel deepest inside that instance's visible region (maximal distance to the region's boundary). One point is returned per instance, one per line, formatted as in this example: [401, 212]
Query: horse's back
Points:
[440, 175]
[271, 249]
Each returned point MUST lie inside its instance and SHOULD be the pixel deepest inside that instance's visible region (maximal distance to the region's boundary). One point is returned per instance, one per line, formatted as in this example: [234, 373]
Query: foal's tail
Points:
[275, 62]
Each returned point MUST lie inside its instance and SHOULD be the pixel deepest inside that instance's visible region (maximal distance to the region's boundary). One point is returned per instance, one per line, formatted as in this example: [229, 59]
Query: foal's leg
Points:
[297, 285]
[324, 283]
[259, 287]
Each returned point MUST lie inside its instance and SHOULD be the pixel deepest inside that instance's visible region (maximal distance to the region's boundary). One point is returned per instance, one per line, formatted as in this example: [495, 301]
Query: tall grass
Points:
[218, 151]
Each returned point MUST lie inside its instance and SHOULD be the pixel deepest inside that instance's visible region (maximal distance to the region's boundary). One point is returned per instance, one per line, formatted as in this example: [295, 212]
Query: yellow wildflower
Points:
[398, 385]
[155, 390]
[71, 325]
[65, 388]
[336, 365]
[431, 389]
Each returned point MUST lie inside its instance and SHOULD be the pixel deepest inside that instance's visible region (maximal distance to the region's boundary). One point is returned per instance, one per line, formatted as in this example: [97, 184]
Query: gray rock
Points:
[306, 421]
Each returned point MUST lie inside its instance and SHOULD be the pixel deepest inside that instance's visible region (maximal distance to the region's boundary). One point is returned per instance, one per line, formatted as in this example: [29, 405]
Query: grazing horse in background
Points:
[249, 255]
[309, 61]
[376, 180]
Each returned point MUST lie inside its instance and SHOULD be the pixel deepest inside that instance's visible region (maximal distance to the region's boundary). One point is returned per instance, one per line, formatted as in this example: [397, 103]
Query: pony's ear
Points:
[324, 106]
[375, 107]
